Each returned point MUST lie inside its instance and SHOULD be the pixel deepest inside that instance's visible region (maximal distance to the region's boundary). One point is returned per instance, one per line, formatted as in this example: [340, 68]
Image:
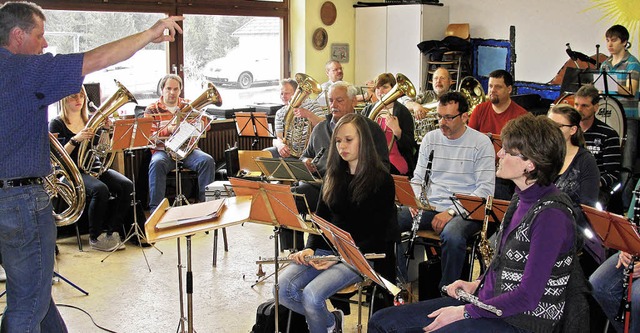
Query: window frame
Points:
[180, 7]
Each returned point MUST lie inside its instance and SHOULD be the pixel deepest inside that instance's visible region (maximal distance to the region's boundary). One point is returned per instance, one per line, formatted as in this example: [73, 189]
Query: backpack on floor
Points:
[265, 319]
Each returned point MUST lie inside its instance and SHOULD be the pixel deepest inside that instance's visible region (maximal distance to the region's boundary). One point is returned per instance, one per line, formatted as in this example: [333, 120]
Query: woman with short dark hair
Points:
[533, 258]
[397, 124]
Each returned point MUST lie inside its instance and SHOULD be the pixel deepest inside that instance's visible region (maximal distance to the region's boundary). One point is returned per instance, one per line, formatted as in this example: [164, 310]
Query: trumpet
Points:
[473, 299]
[271, 260]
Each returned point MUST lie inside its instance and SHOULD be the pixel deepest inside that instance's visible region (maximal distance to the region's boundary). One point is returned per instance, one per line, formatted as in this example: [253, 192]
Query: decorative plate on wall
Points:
[328, 13]
[320, 38]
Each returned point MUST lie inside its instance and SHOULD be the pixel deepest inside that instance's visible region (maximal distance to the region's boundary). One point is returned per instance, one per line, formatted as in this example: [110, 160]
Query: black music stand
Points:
[471, 207]
[616, 232]
[610, 85]
[281, 169]
[253, 124]
[129, 135]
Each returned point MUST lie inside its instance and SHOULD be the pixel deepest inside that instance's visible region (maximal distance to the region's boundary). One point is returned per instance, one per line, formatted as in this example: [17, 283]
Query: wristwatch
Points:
[466, 314]
[74, 142]
[451, 212]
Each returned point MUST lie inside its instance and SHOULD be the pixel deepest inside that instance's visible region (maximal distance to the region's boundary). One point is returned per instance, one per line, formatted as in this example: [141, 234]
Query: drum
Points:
[610, 112]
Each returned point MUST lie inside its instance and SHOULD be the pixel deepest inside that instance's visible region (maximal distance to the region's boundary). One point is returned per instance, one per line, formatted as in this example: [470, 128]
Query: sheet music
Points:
[183, 133]
[612, 83]
[201, 212]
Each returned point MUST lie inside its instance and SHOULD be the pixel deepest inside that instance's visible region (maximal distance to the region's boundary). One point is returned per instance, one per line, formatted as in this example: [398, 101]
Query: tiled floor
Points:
[124, 296]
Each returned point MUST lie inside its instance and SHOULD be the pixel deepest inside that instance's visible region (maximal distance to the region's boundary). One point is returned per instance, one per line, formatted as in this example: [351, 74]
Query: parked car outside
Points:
[243, 68]
[140, 74]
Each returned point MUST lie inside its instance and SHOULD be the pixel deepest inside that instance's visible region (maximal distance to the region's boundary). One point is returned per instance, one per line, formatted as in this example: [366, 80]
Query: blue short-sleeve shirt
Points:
[28, 85]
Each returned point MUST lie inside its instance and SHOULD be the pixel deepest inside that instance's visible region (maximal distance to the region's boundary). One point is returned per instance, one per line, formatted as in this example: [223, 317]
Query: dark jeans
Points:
[98, 192]
[453, 238]
[412, 317]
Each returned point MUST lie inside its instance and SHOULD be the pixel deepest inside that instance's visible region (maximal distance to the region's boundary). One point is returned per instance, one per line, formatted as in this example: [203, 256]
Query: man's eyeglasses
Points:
[563, 125]
[447, 117]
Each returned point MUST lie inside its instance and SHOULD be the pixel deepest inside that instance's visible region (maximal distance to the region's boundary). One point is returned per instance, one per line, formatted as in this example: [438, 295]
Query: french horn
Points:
[91, 151]
[472, 90]
[65, 183]
[297, 131]
[193, 121]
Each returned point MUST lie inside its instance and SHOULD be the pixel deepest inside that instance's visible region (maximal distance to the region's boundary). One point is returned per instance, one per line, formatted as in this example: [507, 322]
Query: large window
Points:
[76, 31]
[239, 54]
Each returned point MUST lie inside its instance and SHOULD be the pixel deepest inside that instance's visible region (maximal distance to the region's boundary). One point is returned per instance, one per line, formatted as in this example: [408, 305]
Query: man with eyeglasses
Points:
[463, 162]
[334, 72]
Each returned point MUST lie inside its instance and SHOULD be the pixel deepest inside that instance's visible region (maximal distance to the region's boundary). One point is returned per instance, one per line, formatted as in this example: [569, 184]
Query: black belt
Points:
[6, 183]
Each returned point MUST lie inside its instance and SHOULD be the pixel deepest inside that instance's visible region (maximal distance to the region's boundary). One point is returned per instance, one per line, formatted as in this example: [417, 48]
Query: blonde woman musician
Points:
[70, 127]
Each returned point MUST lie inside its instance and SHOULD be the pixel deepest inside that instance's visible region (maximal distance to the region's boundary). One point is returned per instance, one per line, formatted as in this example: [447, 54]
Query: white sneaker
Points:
[3, 274]
[115, 238]
[104, 243]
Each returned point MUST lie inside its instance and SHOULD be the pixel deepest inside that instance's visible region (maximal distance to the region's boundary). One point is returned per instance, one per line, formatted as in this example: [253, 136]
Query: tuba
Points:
[193, 124]
[65, 182]
[298, 130]
[472, 91]
[91, 151]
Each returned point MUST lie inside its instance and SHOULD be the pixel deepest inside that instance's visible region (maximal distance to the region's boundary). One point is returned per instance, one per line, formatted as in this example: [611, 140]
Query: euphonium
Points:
[298, 130]
[426, 124]
[176, 145]
[403, 87]
[472, 91]
[92, 150]
[65, 182]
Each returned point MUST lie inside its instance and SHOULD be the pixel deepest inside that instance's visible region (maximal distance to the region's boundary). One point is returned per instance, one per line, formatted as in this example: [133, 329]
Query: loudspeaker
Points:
[93, 93]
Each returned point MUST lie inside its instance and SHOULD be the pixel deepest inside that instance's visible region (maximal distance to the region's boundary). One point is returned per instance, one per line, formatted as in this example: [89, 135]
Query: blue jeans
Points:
[608, 291]
[305, 290]
[27, 245]
[412, 317]
[453, 238]
[162, 164]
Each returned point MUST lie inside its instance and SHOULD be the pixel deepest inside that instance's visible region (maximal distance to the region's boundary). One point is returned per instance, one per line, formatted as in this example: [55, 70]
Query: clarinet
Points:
[473, 299]
[624, 312]
[416, 219]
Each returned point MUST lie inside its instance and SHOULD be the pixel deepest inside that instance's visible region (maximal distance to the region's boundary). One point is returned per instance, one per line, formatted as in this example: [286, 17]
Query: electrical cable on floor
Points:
[88, 314]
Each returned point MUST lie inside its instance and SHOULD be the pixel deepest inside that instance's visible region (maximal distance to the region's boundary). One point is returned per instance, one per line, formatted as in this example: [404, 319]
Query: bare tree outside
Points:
[208, 40]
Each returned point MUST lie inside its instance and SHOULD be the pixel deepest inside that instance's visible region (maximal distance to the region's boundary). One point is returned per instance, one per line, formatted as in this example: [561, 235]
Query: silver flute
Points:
[472, 299]
[271, 260]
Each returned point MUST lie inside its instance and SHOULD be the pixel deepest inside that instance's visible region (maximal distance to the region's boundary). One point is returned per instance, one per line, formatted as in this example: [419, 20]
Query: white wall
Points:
[543, 27]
